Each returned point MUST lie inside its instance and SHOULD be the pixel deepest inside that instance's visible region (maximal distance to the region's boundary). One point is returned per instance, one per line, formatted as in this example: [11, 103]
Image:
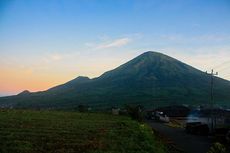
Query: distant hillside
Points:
[151, 79]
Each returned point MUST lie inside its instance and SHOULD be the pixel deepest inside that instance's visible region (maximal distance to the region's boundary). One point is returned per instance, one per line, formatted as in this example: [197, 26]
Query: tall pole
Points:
[212, 74]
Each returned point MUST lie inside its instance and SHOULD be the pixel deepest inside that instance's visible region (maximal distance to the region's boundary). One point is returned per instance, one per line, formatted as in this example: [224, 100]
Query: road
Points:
[186, 142]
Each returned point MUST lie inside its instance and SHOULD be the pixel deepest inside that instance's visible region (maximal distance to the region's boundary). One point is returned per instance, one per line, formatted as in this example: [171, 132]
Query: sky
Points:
[44, 43]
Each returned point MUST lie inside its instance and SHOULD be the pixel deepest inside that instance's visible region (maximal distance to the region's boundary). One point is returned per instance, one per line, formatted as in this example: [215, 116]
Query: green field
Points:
[24, 131]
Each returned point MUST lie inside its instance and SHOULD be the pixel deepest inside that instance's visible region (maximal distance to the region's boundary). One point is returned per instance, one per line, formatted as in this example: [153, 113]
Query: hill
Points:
[151, 79]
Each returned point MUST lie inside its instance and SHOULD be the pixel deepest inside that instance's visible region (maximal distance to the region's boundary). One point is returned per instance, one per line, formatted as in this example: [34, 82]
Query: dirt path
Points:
[186, 142]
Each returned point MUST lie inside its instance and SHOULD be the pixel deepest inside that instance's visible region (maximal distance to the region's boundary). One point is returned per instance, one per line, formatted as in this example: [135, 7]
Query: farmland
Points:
[27, 131]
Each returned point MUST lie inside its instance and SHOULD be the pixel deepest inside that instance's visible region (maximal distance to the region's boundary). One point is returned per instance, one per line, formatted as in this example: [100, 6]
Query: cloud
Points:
[105, 41]
[175, 37]
[203, 58]
[53, 57]
[210, 38]
[196, 25]
[114, 44]
[213, 37]
[56, 57]
[89, 44]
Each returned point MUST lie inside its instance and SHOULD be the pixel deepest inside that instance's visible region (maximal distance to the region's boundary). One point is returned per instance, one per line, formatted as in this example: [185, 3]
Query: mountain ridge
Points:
[151, 78]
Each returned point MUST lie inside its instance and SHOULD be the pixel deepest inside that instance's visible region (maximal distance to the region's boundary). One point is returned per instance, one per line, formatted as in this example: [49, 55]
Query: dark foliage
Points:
[135, 112]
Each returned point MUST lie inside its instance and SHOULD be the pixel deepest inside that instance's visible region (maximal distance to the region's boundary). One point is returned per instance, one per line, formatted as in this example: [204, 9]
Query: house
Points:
[115, 111]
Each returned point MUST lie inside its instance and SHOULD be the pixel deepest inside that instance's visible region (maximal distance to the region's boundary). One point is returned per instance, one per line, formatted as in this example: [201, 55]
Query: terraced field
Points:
[23, 131]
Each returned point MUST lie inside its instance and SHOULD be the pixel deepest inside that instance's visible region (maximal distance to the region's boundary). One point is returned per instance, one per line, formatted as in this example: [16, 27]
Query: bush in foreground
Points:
[217, 148]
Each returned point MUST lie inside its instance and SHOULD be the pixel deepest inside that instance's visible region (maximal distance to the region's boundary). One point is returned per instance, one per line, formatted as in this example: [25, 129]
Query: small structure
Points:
[161, 117]
[157, 116]
[209, 121]
[115, 111]
[175, 110]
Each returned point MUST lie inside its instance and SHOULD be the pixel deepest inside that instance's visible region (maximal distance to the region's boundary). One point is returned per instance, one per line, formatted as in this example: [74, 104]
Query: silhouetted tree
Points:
[135, 112]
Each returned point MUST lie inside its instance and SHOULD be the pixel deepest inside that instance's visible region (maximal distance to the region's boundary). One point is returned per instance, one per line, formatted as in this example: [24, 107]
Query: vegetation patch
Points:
[24, 131]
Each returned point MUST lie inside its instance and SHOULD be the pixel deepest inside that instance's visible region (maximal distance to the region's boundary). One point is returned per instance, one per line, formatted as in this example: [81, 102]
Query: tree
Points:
[135, 112]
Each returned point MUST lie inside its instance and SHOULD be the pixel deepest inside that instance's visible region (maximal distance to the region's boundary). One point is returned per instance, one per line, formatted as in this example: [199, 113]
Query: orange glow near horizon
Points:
[14, 81]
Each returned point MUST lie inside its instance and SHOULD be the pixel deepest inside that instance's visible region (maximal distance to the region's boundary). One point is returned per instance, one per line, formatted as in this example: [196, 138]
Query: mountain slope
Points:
[149, 79]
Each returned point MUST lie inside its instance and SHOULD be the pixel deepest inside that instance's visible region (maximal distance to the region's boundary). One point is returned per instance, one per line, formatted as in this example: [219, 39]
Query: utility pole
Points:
[212, 74]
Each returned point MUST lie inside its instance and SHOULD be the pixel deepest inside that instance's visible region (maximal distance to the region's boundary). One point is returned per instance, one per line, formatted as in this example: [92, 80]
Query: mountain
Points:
[25, 92]
[151, 79]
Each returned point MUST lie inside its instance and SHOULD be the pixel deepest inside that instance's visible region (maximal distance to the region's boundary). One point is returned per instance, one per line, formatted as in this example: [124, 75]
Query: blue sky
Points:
[48, 42]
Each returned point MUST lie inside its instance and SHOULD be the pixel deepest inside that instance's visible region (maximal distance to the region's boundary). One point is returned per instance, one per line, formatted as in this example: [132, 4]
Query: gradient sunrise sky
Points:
[44, 43]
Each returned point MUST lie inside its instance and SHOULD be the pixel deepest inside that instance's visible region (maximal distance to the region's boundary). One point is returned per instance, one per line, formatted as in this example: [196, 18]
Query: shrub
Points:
[217, 148]
[135, 112]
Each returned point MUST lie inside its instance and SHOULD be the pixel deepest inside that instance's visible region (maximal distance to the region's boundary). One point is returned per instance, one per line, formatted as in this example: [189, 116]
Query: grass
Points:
[25, 131]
